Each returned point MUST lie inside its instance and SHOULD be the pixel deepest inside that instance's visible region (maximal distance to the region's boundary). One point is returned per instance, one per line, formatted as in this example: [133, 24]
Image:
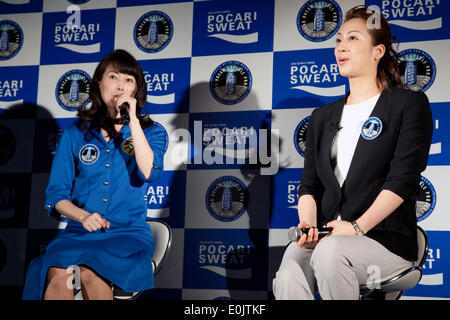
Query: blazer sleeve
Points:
[412, 148]
[62, 173]
[157, 140]
[310, 183]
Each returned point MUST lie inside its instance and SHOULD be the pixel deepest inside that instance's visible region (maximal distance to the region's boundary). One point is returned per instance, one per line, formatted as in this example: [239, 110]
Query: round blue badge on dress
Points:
[371, 128]
[89, 154]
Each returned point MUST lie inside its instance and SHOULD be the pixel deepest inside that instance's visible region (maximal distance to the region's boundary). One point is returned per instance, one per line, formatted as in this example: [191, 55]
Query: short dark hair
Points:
[95, 117]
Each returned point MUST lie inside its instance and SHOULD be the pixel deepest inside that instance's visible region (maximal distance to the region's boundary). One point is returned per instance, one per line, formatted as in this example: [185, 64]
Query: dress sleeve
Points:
[62, 173]
[310, 183]
[157, 140]
[412, 148]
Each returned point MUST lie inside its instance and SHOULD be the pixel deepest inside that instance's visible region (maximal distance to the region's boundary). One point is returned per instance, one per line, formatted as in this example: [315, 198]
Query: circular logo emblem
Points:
[319, 20]
[89, 154]
[153, 31]
[371, 128]
[165, 133]
[7, 145]
[417, 69]
[227, 198]
[230, 82]
[128, 146]
[72, 90]
[425, 200]
[300, 136]
[11, 39]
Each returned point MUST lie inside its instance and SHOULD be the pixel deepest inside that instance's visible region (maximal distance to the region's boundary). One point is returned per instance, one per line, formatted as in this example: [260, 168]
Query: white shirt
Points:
[352, 119]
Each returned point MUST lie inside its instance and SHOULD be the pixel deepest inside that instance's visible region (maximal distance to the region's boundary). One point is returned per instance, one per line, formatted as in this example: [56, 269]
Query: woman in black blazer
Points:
[364, 187]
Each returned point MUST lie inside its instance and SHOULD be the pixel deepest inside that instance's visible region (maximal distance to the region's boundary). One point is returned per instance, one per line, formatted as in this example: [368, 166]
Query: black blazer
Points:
[394, 161]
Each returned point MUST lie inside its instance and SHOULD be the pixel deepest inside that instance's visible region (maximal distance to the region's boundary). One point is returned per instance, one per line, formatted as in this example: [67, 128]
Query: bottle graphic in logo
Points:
[411, 69]
[4, 39]
[230, 82]
[319, 16]
[89, 154]
[227, 196]
[153, 29]
[74, 88]
[372, 126]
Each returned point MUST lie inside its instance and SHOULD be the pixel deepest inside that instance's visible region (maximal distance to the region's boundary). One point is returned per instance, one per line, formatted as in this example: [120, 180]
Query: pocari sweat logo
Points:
[425, 200]
[157, 199]
[153, 31]
[435, 270]
[167, 85]
[285, 198]
[232, 27]
[439, 149]
[415, 20]
[319, 20]
[72, 90]
[230, 139]
[11, 39]
[418, 70]
[306, 79]
[225, 259]
[86, 39]
[18, 85]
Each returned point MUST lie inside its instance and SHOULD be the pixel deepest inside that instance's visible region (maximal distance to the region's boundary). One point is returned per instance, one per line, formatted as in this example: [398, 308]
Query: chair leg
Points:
[393, 295]
[374, 295]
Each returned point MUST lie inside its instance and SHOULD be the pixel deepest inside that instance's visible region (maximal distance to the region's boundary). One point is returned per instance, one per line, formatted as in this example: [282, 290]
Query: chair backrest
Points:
[422, 243]
[162, 236]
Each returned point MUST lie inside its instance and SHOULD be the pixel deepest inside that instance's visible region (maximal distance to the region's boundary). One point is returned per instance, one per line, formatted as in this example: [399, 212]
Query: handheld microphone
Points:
[124, 115]
[294, 233]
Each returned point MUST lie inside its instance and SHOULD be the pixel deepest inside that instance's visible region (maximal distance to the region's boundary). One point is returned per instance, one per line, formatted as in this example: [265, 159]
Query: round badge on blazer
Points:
[371, 128]
[89, 154]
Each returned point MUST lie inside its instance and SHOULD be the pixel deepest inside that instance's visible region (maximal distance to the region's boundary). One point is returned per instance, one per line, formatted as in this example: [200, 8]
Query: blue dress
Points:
[104, 178]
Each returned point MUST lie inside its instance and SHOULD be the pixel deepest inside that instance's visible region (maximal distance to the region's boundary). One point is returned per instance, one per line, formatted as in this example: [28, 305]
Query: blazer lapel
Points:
[363, 144]
[330, 134]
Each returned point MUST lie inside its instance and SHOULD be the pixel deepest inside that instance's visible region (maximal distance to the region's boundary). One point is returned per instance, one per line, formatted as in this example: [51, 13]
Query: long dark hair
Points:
[388, 73]
[95, 116]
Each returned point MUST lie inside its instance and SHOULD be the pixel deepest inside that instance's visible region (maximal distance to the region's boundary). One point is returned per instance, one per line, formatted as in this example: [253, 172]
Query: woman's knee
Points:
[328, 255]
[58, 277]
[287, 272]
[87, 276]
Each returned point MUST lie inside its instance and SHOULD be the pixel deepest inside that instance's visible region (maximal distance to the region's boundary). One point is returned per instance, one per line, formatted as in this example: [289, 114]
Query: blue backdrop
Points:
[233, 84]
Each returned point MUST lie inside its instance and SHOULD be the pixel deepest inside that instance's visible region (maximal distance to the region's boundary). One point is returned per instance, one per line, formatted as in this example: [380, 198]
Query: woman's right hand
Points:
[94, 221]
[308, 241]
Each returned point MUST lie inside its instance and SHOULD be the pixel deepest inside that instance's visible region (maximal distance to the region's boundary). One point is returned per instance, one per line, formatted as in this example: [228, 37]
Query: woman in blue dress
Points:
[98, 181]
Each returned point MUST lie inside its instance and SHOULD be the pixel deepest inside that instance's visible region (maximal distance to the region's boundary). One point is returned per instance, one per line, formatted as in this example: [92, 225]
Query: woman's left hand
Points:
[341, 227]
[122, 98]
